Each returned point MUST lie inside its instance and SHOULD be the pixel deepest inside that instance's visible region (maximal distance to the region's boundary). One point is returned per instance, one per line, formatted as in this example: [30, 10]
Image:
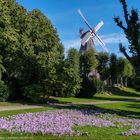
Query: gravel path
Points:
[19, 107]
[107, 102]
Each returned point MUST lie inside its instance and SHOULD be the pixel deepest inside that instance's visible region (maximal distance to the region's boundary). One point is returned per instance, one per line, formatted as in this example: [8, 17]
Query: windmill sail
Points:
[92, 32]
[79, 11]
[102, 44]
[99, 25]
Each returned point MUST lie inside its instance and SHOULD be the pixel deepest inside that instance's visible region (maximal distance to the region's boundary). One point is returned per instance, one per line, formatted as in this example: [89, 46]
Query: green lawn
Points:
[118, 94]
[131, 109]
[96, 98]
[94, 134]
[123, 109]
[13, 112]
[8, 103]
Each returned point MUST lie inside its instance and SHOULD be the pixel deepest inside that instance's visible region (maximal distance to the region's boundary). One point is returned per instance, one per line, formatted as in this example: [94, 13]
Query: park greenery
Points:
[102, 89]
[131, 29]
[33, 65]
[88, 121]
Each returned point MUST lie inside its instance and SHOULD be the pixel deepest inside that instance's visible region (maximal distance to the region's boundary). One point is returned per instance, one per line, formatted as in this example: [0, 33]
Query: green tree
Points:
[113, 68]
[128, 71]
[89, 61]
[48, 54]
[30, 48]
[2, 69]
[74, 59]
[124, 70]
[69, 81]
[131, 28]
[103, 65]
[132, 33]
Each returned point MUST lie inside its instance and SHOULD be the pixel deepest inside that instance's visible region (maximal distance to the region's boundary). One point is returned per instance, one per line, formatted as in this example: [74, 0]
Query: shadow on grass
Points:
[121, 92]
[114, 90]
[99, 109]
[112, 98]
[135, 106]
[29, 102]
[120, 112]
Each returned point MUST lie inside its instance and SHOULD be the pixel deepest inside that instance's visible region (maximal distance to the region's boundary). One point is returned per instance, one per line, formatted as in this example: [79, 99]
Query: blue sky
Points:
[63, 15]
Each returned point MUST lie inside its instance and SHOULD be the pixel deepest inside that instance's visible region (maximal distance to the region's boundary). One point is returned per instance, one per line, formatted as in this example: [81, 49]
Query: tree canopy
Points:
[131, 29]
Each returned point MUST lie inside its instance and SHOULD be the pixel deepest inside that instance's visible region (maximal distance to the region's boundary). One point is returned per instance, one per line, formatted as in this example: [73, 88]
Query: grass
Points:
[88, 133]
[94, 134]
[13, 112]
[122, 109]
[129, 109]
[8, 103]
[118, 94]
[96, 98]
[102, 133]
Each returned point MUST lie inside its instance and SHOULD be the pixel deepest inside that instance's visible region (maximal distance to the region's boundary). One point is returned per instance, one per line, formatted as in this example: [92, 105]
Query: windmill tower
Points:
[89, 44]
[87, 41]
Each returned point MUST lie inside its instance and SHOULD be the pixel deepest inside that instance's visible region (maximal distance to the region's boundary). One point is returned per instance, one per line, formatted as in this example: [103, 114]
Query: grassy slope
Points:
[118, 94]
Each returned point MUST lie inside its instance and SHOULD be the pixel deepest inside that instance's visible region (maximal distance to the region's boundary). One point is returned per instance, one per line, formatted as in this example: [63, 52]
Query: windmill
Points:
[87, 36]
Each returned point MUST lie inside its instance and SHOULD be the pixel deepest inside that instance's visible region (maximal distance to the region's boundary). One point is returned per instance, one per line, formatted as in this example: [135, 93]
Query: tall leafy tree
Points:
[103, 65]
[30, 49]
[74, 59]
[132, 32]
[128, 71]
[69, 81]
[88, 64]
[131, 28]
[124, 70]
[2, 69]
[89, 61]
[113, 68]
[48, 53]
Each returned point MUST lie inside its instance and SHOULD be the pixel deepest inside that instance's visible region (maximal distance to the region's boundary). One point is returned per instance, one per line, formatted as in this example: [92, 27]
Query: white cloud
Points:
[109, 39]
[75, 43]
[114, 38]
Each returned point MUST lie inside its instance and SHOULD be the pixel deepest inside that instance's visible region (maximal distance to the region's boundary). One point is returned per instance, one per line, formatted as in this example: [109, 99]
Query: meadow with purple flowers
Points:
[62, 122]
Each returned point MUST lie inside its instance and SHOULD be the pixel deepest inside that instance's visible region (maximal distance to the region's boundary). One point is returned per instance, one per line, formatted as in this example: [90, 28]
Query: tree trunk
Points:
[126, 81]
[117, 80]
[121, 81]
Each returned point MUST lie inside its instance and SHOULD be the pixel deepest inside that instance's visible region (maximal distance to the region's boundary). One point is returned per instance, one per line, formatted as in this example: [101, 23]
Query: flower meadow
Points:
[61, 122]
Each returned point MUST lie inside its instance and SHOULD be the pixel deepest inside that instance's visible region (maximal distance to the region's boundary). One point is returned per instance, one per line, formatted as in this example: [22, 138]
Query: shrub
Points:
[137, 79]
[52, 100]
[36, 93]
[4, 92]
[98, 84]
[137, 83]
[105, 93]
[88, 89]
